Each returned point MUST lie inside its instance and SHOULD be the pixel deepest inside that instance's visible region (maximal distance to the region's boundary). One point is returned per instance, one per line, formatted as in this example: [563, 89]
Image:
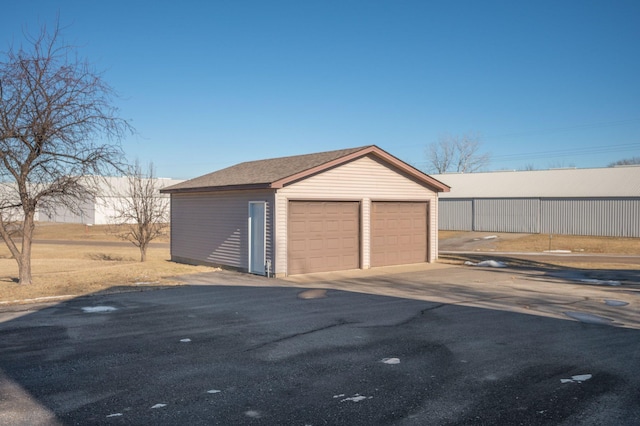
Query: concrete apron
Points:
[525, 291]
[364, 273]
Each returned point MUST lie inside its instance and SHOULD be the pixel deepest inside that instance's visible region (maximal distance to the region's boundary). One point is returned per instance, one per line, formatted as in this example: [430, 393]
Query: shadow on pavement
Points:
[259, 354]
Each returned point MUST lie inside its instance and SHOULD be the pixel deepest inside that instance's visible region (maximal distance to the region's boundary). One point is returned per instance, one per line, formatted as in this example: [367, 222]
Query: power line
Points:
[551, 154]
[568, 151]
[565, 128]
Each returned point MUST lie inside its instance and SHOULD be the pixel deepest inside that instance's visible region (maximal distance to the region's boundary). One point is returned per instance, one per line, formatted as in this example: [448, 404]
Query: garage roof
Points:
[602, 182]
[278, 172]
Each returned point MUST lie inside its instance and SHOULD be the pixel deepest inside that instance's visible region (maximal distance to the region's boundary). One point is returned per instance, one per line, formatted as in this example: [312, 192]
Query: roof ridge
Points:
[313, 154]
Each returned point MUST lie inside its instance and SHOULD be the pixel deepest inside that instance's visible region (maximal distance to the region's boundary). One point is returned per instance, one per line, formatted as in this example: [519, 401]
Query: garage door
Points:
[398, 233]
[323, 236]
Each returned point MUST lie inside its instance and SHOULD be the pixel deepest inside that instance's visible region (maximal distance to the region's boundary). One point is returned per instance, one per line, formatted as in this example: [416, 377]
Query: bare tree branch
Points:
[141, 213]
[456, 153]
[57, 123]
[625, 162]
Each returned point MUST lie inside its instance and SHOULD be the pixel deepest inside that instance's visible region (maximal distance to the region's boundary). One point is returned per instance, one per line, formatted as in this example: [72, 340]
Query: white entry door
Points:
[257, 237]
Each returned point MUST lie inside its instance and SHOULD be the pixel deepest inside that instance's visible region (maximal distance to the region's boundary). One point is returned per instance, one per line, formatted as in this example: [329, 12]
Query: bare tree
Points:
[57, 124]
[456, 153]
[625, 162]
[141, 214]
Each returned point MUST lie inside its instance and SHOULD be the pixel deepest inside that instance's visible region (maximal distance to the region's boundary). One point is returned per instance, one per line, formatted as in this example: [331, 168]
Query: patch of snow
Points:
[253, 414]
[487, 263]
[185, 340]
[488, 237]
[214, 391]
[611, 302]
[98, 309]
[339, 396]
[557, 251]
[599, 282]
[37, 299]
[577, 379]
[582, 377]
[159, 405]
[391, 360]
[114, 415]
[588, 318]
[356, 398]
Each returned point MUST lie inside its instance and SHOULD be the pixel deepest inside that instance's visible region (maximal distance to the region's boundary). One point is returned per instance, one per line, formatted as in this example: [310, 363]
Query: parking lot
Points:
[436, 344]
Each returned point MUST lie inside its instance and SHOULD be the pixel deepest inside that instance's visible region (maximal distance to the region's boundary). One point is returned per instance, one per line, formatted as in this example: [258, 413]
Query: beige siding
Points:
[212, 228]
[433, 230]
[366, 179]
[366, 175]
[365, 221]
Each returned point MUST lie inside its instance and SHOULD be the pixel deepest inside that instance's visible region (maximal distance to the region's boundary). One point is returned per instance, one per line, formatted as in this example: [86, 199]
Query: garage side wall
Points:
[365, 180]
[212, 228]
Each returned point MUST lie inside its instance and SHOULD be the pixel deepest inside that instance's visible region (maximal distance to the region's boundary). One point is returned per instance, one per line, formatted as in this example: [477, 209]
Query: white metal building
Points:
[100, 209]
[601, 202]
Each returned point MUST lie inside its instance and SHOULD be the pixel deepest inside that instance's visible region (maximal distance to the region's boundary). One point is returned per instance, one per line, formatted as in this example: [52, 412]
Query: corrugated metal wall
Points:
[455, 214]
[507, 215]
[615, 217]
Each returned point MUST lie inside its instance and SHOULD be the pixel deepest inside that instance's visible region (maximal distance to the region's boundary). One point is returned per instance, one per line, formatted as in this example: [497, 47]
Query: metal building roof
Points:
[601, 182]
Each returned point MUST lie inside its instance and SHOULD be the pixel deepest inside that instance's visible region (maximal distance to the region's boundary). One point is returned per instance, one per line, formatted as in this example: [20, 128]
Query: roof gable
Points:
[278, 172]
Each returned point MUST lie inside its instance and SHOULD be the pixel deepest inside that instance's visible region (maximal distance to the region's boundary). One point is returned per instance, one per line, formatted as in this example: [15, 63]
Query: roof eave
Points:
[216, 188]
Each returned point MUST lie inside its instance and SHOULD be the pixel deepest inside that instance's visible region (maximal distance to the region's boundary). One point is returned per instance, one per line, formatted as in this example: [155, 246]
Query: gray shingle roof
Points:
[277, 172]
[262, 172]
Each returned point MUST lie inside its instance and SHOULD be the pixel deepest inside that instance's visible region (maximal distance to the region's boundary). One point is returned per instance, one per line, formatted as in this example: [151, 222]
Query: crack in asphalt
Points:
[293, 336]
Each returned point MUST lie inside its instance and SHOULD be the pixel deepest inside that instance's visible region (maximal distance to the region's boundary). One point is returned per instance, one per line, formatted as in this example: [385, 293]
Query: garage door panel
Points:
[405, 240]
[398, 233]
[350, 243]
[333, 225]
[350, 225]
[333, 243]
[324, 236]
[298, 246]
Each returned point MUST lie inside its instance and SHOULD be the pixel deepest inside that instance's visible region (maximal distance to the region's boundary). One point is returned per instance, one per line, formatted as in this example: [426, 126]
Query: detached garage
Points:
[330, 211]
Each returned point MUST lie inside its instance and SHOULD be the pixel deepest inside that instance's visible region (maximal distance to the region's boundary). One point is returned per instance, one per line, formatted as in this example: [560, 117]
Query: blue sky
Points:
[208, 84]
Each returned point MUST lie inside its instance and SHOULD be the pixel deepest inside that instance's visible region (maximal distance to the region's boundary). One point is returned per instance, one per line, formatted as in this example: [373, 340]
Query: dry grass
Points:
[573, 243]
[85, 266]
[77, 268]
[540, 242]
[76, 232]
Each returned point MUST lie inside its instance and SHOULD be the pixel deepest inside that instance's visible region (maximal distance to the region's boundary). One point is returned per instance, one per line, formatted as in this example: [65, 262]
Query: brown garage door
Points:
[323, 236]
[398, 233]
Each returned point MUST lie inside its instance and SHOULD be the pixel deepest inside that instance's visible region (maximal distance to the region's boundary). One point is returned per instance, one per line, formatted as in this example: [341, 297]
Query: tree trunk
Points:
[25, 270]
[143, 252]
[24, 265]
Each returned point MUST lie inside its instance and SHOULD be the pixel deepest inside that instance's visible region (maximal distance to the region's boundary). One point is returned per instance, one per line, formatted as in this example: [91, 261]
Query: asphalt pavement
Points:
[436, 346]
